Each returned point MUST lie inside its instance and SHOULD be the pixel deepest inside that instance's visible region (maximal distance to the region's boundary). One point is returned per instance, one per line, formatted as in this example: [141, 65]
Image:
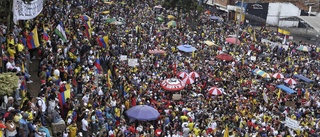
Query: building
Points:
[268, 12]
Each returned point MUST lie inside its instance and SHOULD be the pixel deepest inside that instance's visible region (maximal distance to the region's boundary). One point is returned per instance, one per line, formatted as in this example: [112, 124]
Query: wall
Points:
[283, 10]
[259, 10]
[222, 3]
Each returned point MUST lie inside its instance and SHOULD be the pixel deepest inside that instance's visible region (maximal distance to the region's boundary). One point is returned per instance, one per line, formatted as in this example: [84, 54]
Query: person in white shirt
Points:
[10, 64]
[85, 126]
[85, 98]
[11, 129]
[139, 128]
[43, 108]
[110, 132]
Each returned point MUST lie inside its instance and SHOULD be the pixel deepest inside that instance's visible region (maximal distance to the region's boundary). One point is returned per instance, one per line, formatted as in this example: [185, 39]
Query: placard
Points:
[265, 97]
[290, 104]
[176, 97]
[123, 57]
[253, 58]
[133, 62]
[25, 11]
[291, 123]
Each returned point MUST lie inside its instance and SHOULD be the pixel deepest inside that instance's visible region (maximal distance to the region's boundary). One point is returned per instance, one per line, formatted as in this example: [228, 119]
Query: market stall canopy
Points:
[156, 51]
[286, 89]
[233, 41]
[105, 12]
[304, 48]
[111, 20]
[143, 113]
[214, 18]
[109, 3]
[301, 77]
[158, 7]
[210, 43]
[116, 23]
[225, 57]
[172, 23]
[261, 73]
[171, 17]
[186, 48]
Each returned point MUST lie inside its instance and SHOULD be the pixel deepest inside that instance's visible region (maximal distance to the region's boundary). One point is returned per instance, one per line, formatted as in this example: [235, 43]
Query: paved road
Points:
[34, 88]
[302, 34]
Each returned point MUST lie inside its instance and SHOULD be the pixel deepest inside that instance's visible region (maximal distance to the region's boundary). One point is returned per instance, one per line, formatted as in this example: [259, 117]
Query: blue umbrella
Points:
[186, 48]
[143, 113]
[214, 18]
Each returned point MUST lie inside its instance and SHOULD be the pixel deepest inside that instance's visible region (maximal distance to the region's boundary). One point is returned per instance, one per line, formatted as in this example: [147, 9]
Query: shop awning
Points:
[312, 21]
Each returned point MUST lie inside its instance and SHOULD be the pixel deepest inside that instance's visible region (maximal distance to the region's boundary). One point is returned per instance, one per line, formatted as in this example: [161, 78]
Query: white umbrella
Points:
[194, 74]
[278, 75]
[188, 80]
[182, 74]
[290, 81]
[214, 91]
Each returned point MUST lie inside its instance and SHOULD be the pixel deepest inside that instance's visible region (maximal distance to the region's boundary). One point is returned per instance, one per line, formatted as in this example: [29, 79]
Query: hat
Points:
[10, 98]
[25, 115]
[10, 109]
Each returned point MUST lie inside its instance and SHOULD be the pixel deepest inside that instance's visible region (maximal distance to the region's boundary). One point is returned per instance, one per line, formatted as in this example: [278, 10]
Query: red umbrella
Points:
[224, 56]
[172, 84]
[214, 91]
[194, 74]
[290, 81]
[182, 75]
[156, 51]
[278, 75]
[233, 40]
[188, 80]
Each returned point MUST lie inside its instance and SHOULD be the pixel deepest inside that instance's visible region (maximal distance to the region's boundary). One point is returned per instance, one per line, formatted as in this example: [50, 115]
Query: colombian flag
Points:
[109, 79]
[97, 64]
[32, 40]
[63, 96]
[23, 88]
[45, 35]
[85, 17]
[88, 31]
[103, 42]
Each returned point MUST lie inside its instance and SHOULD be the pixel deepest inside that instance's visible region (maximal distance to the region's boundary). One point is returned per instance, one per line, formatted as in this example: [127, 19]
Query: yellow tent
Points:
[109, 3]
[171, 17]
[210, 43]
[105, 12]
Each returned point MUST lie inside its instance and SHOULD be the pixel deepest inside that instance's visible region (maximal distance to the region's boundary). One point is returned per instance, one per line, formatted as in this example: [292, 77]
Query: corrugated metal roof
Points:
[313, 21]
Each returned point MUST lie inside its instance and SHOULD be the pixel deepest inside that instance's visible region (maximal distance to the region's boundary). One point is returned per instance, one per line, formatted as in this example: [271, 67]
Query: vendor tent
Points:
[303, 78]
[286, 89]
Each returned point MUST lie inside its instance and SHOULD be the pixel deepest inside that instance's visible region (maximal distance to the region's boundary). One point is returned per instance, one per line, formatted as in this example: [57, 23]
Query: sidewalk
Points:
[308, 35]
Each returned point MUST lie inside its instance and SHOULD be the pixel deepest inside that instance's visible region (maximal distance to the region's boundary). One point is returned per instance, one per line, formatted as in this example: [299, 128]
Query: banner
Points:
[133, 62]
[291, 123]
[26, 11]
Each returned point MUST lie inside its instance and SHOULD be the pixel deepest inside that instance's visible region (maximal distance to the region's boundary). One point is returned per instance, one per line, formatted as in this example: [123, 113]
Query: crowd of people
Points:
[103, 85]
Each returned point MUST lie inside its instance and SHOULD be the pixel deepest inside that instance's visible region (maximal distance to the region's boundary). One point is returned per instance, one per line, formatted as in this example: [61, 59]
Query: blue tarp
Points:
[303, 78]
[286, 89]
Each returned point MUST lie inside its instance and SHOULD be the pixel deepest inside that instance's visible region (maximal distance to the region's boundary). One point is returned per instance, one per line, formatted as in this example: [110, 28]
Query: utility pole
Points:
[279, 14]
[238, 29]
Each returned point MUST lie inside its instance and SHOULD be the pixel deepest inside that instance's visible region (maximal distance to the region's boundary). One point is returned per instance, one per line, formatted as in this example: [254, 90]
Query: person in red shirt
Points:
[132, 129]
[158, 132]
[133, 101]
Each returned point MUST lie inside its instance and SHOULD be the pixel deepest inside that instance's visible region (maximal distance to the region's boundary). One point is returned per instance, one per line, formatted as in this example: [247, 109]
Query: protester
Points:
[85, 79]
